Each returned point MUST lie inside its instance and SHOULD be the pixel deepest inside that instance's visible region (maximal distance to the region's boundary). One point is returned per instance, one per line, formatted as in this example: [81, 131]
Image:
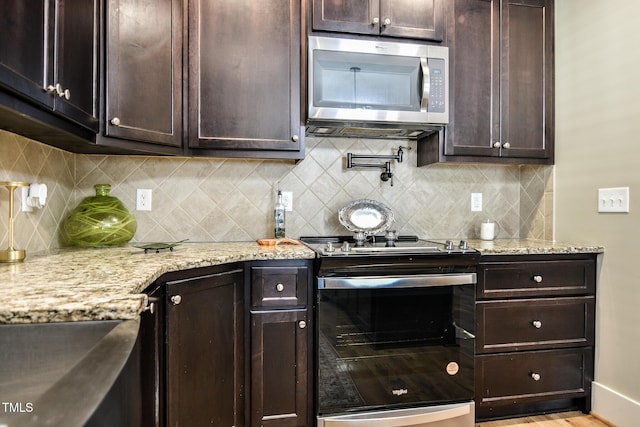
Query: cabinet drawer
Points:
[534, 324]
[278, 286]
[512, 378]
[536, 278]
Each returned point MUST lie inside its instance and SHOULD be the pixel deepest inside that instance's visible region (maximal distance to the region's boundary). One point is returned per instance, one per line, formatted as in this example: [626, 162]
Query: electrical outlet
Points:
[287, 200]
[143, 199]
[613, 199]
[476, 202]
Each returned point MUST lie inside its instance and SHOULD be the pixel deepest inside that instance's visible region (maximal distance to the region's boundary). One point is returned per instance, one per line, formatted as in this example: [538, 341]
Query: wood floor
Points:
[565, 419]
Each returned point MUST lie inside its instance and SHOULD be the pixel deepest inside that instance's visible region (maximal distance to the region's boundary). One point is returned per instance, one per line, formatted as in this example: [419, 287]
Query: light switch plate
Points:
[476, 202]
[613, 199]
[287, 200]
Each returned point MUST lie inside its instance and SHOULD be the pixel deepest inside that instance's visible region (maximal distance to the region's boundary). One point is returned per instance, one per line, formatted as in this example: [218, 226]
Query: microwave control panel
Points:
[437, 92]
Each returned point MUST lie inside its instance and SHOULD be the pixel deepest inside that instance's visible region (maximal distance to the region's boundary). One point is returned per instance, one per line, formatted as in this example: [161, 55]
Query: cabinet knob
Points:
[535, 376]
[151, 308]
[279, 287]
[537, 324]
[302, 324]
[295, 138]
[386, 22]
[375, 21]
[537, 279]
[506, 145]
[57, 90]
[497, 144]
[115, 121]
[176, 299]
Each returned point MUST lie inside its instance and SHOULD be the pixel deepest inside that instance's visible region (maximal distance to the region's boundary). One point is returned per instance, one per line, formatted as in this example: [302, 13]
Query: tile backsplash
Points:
[233, 199]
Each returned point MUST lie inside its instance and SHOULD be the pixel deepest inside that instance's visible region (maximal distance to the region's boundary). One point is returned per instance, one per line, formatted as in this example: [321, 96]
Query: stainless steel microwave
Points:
[376, 88]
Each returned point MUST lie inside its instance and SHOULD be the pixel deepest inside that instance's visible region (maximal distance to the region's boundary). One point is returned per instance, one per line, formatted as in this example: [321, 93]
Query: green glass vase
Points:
[98, 221]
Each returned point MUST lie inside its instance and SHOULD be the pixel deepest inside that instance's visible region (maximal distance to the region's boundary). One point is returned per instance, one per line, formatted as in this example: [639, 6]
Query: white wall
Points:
[597, 136]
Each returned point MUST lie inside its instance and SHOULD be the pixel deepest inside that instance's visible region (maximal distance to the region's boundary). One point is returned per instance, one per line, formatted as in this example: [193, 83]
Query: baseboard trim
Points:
[614, 408]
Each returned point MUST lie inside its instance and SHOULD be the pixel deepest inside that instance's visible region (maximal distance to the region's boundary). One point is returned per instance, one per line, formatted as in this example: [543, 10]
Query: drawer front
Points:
[536, 278]
[279, 286]
[512, 378]
[534, 324]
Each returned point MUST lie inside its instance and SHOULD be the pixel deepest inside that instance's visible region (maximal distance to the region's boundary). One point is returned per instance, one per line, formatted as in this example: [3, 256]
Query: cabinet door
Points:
[347, 16]
[49, 44]
[76, 63]
[205, 350]
[244, 76]
[475, 80]
[25, 54]
[527, 92]
[423, 19]
[279, 377]
[144, 71]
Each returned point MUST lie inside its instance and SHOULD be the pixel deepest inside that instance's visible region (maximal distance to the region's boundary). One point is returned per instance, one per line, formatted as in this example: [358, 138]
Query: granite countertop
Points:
[532, 247]
[107, 283]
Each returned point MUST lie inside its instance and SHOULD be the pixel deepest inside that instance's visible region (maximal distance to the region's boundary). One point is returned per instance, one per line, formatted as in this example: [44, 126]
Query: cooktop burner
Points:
[383, 245]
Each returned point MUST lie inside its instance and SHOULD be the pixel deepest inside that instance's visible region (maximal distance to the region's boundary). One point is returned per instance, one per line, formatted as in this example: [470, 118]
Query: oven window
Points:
[394, 347]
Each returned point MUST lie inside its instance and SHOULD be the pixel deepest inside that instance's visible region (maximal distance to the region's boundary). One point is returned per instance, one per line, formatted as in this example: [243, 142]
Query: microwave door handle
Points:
[426, 84]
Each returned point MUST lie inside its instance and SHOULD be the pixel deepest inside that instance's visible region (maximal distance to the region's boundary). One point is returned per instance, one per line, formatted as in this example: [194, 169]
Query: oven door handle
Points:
[399, 418]
[412, 281]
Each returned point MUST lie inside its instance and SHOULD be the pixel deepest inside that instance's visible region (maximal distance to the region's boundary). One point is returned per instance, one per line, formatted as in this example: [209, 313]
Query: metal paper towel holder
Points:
[11, 254]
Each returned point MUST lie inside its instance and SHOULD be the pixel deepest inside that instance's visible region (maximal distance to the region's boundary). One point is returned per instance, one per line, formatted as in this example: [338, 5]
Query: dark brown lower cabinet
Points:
[281, 341]
[535, 341]
[204, 349]
[229, 346]
[279, 352]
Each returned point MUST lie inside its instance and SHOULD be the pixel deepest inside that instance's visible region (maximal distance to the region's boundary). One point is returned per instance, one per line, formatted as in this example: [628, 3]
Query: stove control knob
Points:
[448, 245]
[464, 245]
[345, 247]
[330, 247]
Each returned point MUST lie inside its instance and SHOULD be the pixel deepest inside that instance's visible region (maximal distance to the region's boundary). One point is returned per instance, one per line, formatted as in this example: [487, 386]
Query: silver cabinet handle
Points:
[537, 279]
[537, 324]
[375, 21]
[295, 138]
[535, 376]
[302, 324]
[176, 299]
[506, 145]
[497, 144]
[115, 121]
[279, 287]
[386, 22]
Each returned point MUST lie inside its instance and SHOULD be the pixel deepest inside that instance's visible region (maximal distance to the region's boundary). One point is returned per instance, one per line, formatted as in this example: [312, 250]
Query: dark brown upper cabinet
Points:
[48, 56]
[143, 76]
[244, 78]
[416, 19]
[502, 83]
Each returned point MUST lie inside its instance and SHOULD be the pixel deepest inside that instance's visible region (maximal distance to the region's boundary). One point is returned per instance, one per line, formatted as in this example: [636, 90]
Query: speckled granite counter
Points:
[105, 284]
[532, 247]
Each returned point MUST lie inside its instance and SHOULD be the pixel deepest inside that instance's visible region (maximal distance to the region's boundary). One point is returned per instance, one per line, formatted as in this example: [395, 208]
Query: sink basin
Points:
[60, 373]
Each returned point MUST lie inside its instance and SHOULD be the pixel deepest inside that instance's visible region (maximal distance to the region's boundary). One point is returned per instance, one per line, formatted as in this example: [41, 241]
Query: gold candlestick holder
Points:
[12, 254]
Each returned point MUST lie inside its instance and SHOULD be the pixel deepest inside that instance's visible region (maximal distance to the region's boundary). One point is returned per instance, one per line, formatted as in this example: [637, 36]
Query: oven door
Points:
[395, 342]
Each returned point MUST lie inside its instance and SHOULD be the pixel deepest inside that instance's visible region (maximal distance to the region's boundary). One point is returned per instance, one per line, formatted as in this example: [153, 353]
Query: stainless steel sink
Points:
[59, 373]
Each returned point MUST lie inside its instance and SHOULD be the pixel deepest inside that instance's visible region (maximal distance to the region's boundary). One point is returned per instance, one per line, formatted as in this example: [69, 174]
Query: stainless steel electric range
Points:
[395, 331]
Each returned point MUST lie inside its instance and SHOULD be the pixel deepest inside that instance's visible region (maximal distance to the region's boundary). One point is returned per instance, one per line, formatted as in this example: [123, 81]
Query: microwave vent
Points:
[371, 132]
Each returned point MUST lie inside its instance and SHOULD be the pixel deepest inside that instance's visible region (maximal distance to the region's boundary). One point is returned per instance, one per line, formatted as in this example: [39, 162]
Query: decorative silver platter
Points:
[366, 216]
